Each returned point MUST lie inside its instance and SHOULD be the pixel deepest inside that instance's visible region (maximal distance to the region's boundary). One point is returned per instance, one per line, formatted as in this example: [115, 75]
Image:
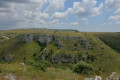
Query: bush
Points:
[83, 68]
[39, 65]
[47, 63]
[0, 70]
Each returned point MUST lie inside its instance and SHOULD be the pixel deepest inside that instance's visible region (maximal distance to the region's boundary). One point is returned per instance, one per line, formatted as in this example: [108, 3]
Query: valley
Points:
[43, 54]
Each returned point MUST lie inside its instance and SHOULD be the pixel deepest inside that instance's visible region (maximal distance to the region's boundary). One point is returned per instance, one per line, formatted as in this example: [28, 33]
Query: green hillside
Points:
[53, 53]
[111, 39]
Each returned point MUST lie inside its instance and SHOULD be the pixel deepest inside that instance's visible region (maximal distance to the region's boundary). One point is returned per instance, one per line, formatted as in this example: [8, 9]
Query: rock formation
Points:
[28, 38]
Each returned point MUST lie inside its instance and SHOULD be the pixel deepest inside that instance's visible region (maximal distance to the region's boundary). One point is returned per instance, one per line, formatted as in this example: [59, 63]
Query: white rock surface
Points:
[10, 77]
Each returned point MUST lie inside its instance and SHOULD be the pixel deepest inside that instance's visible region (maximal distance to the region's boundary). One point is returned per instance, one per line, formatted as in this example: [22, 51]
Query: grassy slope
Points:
[111, 39]
[28, 73]
[107, 59]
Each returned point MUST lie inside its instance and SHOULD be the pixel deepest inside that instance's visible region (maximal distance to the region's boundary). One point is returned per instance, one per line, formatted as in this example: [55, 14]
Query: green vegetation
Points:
[60, 58]
[111, 39]
[83, 68]
[39, 65]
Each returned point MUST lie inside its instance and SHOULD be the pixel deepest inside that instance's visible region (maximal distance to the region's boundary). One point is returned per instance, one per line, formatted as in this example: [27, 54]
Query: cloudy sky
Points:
[83, 15]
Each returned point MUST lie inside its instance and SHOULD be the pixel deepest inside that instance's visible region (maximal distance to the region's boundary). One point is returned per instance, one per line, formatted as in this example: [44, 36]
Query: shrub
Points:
[47, 63]
[39, 65]
[83, 68]
[0, 70]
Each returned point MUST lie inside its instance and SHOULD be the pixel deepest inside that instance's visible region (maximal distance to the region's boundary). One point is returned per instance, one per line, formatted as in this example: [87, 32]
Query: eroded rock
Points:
[28, 38]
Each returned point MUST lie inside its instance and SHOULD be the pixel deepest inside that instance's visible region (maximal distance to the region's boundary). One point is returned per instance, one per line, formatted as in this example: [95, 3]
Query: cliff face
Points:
[62, 43]
[47, 39]
[43, 39]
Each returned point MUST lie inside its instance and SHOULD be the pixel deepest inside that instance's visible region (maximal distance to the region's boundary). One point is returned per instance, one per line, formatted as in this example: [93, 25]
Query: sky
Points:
[82, 15]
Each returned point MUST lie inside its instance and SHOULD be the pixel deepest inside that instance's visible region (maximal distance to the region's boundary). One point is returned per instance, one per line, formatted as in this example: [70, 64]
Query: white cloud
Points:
[84, 8]
[38, 1]
[86, 22]
[55, 5]
[117, 11]
[108, 23]
[74, 24]
[44, 15]
[84, 19]
[42, 21]
[14, 12]
[104, 24]
[2, 14]
[116, 18]
[54, 21]
[118, 22]
[60, 15]
[110, 4]
[87, 8]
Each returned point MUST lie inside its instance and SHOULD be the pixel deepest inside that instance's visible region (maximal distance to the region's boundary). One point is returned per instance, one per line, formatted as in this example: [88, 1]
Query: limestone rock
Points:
[63, 58]
[9, 58]
[94, 78]
[42, 57]
[88, 46]
[28, 38]
[45, 39]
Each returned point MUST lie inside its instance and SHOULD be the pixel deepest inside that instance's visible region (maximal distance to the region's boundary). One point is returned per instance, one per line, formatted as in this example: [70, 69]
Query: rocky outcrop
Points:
[28, 38]
[73, 38]
[6, 57]
[94, 78]
[113, 76]
[10, 77]
[63, 58]
[42, 57]
[42, 39]
[88, 45]
[58, 43]
[45, 39]
[9, 58]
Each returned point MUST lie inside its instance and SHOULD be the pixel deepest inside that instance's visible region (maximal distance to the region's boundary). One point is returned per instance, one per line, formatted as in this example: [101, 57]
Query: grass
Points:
[111, 39]
[28, 73]
[104, 55]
